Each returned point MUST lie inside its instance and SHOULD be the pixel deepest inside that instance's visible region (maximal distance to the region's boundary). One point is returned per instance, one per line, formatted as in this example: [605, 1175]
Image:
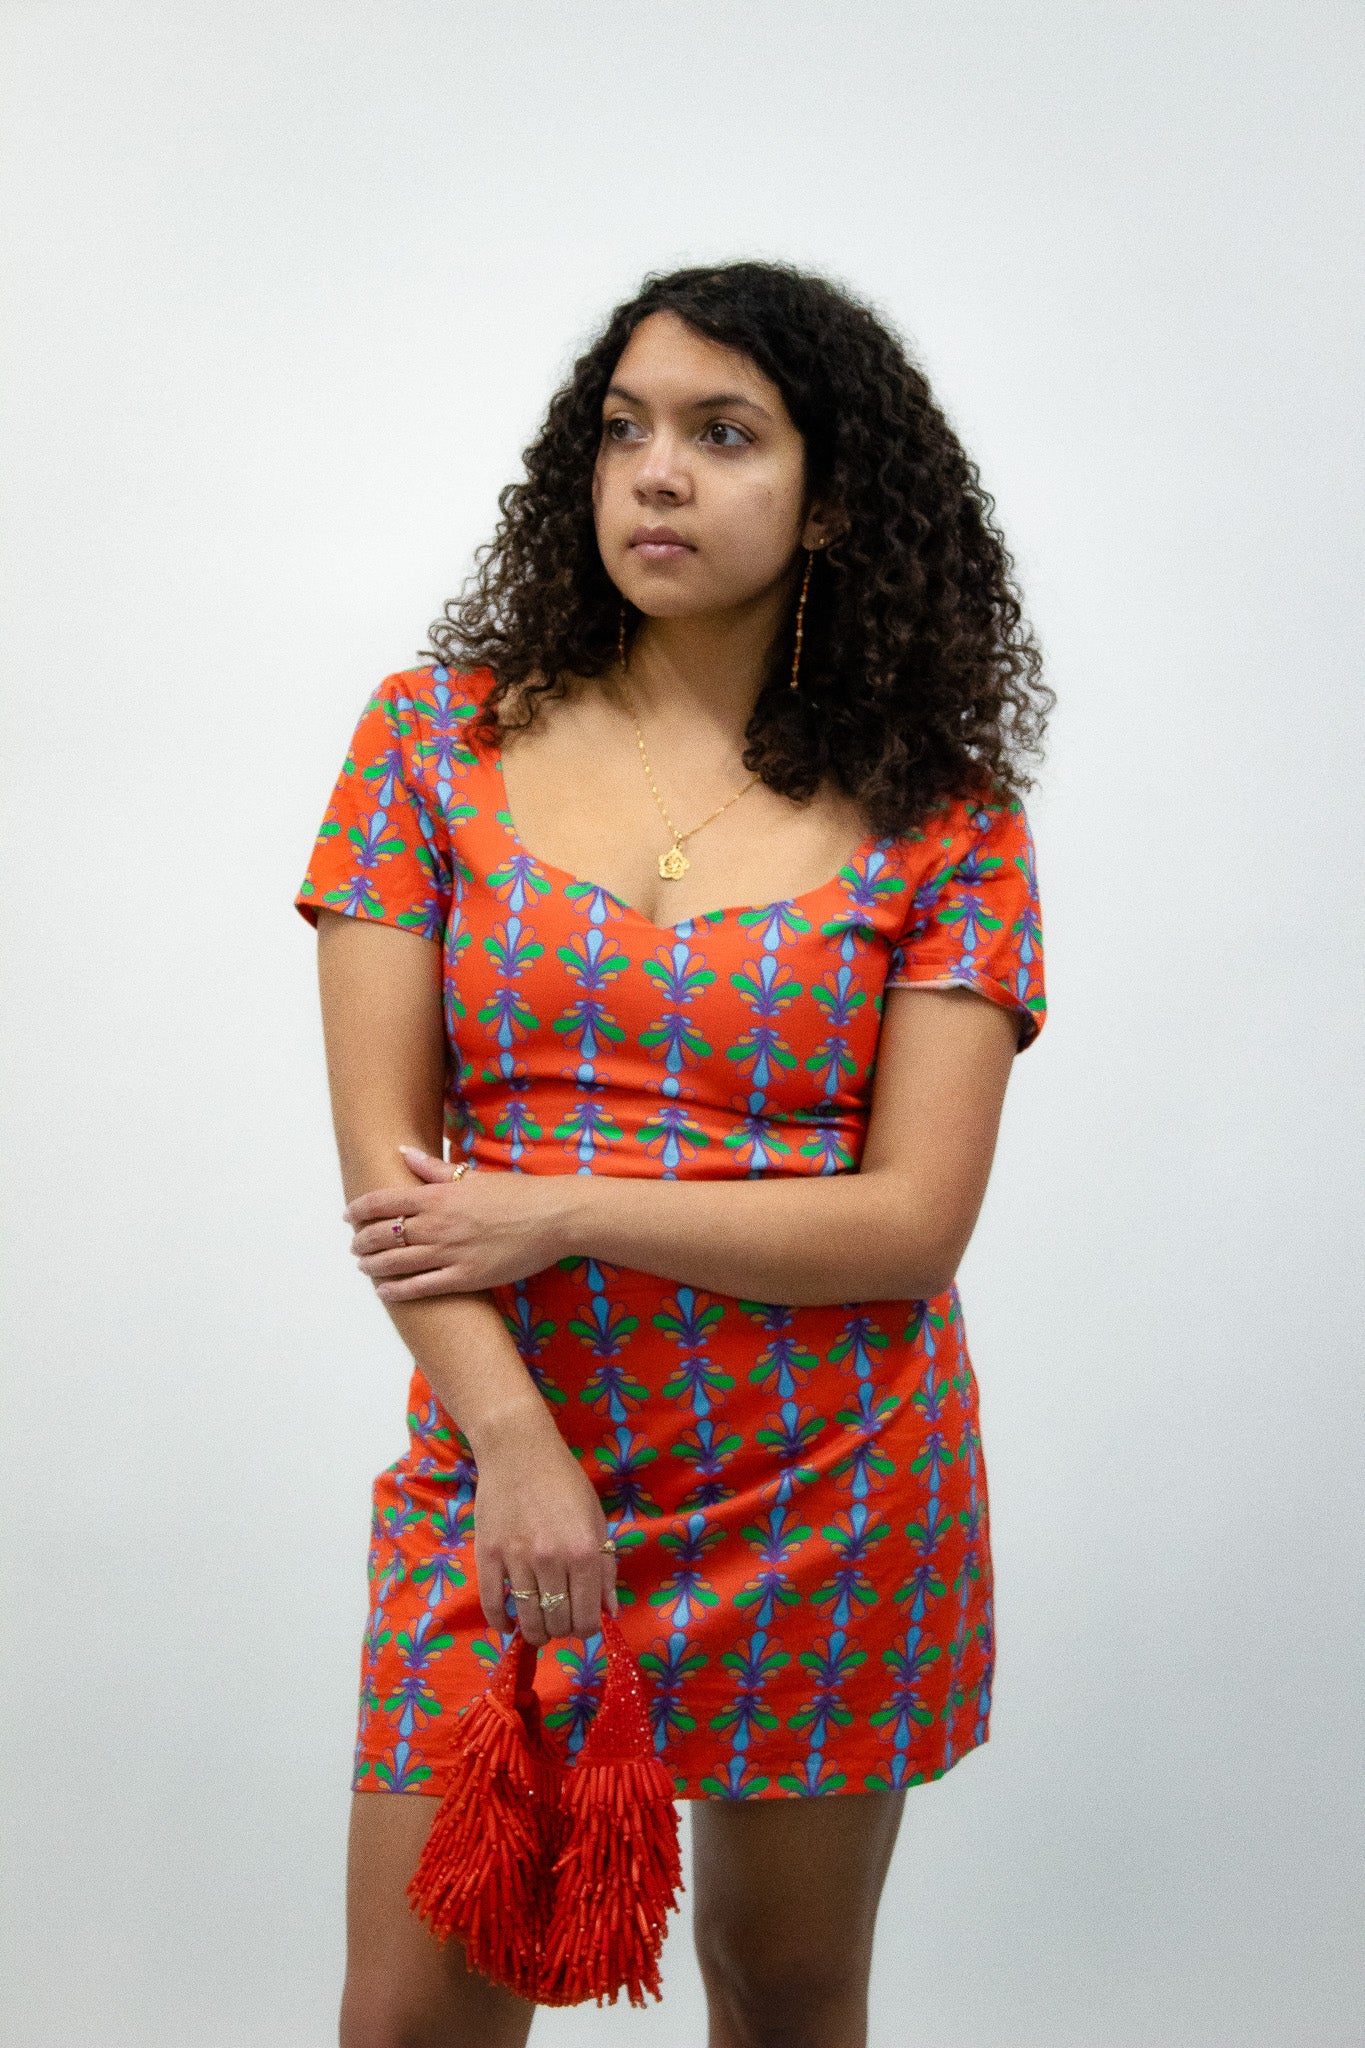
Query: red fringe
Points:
[481, 1874]
[615, 1882]
[557, 1878]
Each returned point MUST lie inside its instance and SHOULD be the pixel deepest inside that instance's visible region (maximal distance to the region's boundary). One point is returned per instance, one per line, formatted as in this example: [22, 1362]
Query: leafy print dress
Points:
[798, 1494]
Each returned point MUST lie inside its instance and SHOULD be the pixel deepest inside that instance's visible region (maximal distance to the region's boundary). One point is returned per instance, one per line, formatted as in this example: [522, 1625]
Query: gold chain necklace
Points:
[674, 864]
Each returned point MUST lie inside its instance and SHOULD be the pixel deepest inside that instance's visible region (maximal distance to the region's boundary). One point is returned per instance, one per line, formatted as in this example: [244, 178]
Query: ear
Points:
[823, 525]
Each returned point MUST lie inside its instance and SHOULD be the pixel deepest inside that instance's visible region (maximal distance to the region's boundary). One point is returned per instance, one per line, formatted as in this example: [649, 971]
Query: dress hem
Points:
[773, 1788]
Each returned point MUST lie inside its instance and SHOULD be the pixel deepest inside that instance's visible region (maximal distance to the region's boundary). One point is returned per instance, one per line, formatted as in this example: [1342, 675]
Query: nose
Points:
[662, 475]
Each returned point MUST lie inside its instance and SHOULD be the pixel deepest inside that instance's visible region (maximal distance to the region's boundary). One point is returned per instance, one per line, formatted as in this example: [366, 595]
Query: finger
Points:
[585, 1583]
[531, 1621]
[530, 1615]
[444, 1280]
[382, 1237]
[559, 1618]
[400, 1261]
[423, 1163]
[490, 1576]
[372, 1216]
[378, 1202]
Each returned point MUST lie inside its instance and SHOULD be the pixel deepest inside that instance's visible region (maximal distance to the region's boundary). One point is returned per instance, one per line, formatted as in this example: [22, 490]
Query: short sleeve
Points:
[973, 919]
[383, 848]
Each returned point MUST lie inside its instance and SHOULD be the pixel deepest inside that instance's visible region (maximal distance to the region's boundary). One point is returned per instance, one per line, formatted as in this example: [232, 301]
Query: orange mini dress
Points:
[798, 1494]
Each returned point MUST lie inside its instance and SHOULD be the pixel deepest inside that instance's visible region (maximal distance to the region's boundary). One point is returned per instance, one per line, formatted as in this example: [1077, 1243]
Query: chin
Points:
[671, 604]
[674, 596]
[661, 597]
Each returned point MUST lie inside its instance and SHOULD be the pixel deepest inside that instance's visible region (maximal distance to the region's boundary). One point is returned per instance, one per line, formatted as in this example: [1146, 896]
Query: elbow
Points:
[932, 1266]
[930, 1277]
[918, 1250]
[939, 1283]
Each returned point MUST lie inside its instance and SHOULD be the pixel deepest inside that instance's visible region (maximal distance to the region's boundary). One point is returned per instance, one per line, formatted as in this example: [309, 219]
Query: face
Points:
[697, 441]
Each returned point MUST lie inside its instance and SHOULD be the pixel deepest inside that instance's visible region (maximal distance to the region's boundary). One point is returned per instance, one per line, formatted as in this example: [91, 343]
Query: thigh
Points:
[785, 1895]
[402, 1984]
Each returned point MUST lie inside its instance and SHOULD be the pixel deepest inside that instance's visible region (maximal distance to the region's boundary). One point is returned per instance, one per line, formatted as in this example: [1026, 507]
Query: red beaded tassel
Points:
[619, 1871]
[483, 1871]
[557, 1877]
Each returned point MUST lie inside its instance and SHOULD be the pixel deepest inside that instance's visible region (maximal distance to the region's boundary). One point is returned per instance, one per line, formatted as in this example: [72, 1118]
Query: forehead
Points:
[668, 362]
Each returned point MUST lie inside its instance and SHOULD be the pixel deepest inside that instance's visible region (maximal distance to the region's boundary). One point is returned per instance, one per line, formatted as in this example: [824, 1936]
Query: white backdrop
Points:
[287, 288]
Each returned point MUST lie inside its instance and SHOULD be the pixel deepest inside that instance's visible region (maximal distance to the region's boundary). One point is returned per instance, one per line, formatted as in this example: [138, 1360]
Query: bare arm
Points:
[381, 1014]
[537, 1518]
[895, 1230]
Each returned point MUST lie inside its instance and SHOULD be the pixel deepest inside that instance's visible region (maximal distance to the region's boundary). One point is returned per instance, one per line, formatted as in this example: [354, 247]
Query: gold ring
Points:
[465, 1166]
[610, 1545]
[398, 1227]
[552, 1599]
[523, 1596]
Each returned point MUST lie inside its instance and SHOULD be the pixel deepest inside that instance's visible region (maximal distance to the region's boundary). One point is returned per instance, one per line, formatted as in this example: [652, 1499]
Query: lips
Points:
[660, 538]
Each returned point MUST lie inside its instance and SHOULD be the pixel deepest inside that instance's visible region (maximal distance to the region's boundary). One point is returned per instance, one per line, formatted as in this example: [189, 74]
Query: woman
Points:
[686, 889]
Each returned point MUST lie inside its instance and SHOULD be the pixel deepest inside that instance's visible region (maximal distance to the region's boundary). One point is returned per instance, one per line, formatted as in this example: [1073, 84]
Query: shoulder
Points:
[429, 711]
[969, 865]
[436, 692]
[967, 837]
[971, 908]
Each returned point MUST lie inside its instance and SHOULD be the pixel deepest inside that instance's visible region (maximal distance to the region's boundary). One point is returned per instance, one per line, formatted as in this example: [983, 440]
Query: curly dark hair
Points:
[920, 679]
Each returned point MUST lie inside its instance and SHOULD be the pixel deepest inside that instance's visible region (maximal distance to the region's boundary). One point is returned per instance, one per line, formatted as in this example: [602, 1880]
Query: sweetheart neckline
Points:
[698, 917]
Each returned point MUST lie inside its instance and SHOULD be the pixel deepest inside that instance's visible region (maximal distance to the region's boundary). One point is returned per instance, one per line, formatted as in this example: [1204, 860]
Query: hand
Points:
[482, 1230]
[539, 1527]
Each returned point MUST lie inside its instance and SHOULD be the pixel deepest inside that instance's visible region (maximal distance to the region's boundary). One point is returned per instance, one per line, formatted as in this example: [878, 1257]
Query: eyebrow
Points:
[717, 401]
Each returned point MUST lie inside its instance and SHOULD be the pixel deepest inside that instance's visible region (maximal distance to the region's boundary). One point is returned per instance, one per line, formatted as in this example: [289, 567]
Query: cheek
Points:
[764, 525]
[611, 497]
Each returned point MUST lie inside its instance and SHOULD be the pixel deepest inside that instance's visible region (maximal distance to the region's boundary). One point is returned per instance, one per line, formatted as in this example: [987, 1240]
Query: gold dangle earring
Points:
[801, 616]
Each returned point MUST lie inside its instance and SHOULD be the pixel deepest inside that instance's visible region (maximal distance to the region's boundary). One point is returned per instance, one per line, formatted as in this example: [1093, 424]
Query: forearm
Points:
[462, 1347]
[458, 1342]
[800, 1241]
[382, 1023]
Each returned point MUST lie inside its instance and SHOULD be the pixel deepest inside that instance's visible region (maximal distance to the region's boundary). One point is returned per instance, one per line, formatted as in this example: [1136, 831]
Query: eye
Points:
[726, 427]
[619, 419]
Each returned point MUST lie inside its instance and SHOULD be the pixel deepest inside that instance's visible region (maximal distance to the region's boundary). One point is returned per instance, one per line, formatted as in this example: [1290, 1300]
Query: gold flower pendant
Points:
[673, 864]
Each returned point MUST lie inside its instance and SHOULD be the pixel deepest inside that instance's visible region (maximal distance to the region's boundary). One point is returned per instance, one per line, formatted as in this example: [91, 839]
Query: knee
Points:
[782, 1997]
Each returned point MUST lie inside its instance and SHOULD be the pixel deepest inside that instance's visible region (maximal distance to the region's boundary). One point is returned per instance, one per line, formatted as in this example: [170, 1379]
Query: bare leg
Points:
[785, 1896]
[405, 1989]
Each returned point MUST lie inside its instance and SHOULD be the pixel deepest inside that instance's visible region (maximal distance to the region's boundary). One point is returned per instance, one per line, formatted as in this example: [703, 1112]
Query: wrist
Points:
[516, 1425]
[575, 1205]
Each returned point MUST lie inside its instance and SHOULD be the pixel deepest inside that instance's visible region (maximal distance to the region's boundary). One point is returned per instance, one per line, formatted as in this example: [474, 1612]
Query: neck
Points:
[701, 674]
